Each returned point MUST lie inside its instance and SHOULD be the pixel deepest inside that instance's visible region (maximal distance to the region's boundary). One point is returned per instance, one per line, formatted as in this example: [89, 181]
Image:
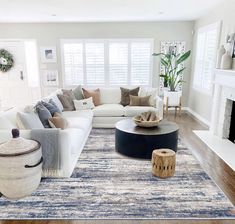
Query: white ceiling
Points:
[102, 10]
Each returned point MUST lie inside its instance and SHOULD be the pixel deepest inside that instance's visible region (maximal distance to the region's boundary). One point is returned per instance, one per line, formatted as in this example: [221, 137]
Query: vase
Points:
[226, 61]
[221, 51]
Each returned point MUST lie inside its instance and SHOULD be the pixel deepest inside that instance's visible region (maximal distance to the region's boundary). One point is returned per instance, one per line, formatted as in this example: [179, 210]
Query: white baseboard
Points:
[195, 114]
[198, 116]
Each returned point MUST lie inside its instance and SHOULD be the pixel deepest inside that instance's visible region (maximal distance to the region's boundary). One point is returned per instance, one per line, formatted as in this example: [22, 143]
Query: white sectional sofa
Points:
[73, 139]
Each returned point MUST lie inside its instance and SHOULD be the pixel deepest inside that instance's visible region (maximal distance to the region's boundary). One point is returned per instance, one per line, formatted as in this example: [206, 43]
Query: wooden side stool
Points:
[163, 163]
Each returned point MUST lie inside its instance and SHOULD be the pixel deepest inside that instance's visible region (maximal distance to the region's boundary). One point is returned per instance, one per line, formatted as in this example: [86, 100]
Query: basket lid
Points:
[18, 145]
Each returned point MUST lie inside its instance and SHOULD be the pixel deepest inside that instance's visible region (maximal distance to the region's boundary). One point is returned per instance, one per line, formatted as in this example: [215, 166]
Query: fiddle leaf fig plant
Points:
[172, 68]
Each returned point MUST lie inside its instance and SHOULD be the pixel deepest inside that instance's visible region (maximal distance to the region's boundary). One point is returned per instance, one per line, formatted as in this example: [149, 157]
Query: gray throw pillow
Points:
[28, 121]
[125, 95]
[52, 107]
[44, 114]
[78, 93]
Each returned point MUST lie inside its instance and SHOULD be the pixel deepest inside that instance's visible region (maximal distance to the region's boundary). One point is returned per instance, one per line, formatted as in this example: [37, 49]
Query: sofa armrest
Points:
[5, 135]
[159, 106]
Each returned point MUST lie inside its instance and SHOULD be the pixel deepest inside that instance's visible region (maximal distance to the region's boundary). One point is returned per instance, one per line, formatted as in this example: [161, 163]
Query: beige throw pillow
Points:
[139, 101]
[95, 94]
[58, 121]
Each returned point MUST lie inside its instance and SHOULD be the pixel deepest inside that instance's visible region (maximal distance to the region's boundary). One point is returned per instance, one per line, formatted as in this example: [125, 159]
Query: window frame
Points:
[203, 29]
[106, 59]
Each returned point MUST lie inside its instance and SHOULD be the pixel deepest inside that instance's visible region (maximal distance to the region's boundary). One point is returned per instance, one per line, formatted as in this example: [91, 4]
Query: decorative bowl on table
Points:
[147, 120]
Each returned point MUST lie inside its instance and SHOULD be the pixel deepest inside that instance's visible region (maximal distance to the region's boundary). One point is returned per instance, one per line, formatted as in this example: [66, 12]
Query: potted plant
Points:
[173, 69]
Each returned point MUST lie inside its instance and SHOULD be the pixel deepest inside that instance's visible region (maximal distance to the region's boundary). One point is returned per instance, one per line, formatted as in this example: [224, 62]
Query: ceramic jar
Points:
[226, 62]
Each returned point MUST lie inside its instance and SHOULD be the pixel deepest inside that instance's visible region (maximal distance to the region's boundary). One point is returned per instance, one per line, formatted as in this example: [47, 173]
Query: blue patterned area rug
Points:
[107, 185]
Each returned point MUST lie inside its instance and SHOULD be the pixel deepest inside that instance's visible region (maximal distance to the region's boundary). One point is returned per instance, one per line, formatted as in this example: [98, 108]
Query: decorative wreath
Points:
[6, 60]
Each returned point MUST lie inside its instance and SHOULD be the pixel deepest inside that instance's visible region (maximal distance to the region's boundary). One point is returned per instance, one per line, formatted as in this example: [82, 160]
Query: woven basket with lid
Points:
[20, 166]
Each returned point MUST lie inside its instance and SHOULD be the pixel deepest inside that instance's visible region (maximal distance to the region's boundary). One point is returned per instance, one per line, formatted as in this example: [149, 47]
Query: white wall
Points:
[199, 102]
[49, 34]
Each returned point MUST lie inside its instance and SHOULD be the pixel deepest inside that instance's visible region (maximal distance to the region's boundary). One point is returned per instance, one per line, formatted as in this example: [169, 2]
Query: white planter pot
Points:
[172, 98]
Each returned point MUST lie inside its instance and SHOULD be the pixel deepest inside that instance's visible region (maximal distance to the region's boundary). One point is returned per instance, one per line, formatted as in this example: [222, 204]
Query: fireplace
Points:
[232, 124]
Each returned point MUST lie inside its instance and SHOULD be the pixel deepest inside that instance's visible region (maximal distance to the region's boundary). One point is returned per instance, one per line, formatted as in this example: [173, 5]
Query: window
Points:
[207, 42]
[112, 62]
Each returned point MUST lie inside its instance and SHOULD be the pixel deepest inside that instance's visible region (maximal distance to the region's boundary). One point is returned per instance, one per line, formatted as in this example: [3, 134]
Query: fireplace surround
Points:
[220, 136]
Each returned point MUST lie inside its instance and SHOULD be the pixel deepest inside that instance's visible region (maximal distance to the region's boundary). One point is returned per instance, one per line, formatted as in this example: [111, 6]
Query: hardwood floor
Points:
[215, 167]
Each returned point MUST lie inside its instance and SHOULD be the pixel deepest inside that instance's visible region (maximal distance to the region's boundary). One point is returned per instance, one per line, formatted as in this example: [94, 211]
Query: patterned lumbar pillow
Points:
[139, 101]
[44, 114]
[84, 104]
[125, 95]
[58, 121]
[78, 93]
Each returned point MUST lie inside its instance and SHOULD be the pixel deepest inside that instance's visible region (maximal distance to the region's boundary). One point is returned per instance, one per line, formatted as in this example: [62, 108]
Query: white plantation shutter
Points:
[95, 74]
[207, 41]
[122, 62]
[118, 63]
[73, 63]
[140, 63]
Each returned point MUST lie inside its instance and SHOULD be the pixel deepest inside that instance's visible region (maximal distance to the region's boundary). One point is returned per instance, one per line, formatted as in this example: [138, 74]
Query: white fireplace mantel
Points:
[225, 78]
[216, 137]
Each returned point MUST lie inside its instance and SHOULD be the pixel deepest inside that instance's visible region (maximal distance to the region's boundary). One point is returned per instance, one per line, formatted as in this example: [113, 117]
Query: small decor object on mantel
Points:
[226, 62]
[163, 163]
[20, 166]
[221, 51]
[6, 60]
[147, 119]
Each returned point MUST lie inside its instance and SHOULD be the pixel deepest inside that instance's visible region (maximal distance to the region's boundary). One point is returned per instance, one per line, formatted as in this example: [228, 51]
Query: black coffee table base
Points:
[141, 146]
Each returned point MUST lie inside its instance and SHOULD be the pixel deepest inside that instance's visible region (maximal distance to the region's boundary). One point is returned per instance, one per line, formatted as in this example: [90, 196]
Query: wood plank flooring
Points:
[215, 167]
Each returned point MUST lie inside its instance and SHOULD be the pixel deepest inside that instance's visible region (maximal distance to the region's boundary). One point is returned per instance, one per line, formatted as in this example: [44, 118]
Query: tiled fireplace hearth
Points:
[218, 138]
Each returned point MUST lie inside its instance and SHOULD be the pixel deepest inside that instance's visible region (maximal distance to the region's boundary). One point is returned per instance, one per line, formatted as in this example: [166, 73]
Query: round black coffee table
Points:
[138, 142]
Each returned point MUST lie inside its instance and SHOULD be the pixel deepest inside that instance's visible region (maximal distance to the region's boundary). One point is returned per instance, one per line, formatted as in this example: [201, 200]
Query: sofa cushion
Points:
[84, 104]
[131, 111]
[44, 114]
[139, 101]
[95, 94]
[67, 102]
[109, 110]
[55, 98]
[78, 93]
[79, 122]
[153, 92]
[5, 124]
[52, 107]
[125, 95]
[28, 121]
[58, 121]
[79, 113]
[110, 95]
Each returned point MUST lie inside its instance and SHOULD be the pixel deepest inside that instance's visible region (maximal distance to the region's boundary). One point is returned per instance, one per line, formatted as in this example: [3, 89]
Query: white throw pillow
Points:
[5, 124]
[153, 92]
[84, 104]
[28, 121]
